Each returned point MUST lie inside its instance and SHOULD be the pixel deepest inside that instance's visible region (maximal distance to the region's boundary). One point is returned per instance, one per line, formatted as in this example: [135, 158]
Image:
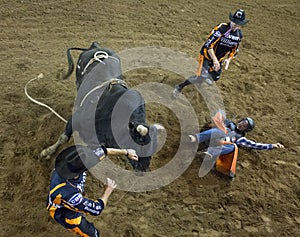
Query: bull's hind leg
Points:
[46, 153]
[141, 166]
[144, 163]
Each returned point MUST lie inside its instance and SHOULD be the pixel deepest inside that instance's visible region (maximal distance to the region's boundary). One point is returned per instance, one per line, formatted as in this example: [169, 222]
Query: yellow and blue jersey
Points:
[69, 194]
[66, 201]
[67, 205]
[222, 40]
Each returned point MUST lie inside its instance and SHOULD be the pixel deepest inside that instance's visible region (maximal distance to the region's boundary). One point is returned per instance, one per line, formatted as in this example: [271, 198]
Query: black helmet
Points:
[250, 122]
[238, 17]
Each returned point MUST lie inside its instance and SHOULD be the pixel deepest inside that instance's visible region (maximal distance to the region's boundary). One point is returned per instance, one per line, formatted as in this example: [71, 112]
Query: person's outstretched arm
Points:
[127, 152]
[111, 185]
[257, 146]
[78, 202]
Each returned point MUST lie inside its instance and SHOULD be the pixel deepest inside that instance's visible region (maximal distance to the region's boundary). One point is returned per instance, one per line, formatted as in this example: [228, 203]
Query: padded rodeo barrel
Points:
[226, 164]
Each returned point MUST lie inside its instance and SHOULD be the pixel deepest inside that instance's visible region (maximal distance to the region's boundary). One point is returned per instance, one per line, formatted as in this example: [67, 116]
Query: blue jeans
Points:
[212, 137]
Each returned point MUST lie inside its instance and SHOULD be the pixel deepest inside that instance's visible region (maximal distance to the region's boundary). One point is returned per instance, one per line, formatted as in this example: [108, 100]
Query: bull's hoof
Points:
[46, 153]
[139, 173]
[47, 157]
[42, 155]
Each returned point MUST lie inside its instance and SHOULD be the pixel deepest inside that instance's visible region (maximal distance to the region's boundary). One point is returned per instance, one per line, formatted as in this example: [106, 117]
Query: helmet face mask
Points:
[246, 124]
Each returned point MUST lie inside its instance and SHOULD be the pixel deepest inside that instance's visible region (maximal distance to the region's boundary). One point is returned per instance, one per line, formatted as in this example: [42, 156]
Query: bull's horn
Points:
[159, 126]
[142, 130]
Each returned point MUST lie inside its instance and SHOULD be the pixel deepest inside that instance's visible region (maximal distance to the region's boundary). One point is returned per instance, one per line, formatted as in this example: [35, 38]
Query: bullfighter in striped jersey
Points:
[223, 40]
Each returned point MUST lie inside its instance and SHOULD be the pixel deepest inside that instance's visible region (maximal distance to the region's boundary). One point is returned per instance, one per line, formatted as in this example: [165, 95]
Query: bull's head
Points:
[139, 133]
[142, 133]
[142, 130]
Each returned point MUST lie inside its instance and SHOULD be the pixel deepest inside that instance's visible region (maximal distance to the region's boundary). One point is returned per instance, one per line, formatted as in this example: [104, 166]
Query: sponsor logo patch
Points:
[76, 199]
[217, 34]
[99, 152]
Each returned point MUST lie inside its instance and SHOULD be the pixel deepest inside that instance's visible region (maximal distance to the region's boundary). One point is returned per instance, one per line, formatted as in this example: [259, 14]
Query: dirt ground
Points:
[262, 82]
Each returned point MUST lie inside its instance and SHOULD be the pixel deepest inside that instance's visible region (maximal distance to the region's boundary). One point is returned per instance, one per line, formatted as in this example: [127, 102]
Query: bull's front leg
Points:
[63, 138]
[46, 153]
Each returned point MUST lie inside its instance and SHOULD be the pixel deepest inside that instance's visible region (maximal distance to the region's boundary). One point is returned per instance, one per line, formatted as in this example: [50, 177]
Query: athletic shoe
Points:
[176, 92]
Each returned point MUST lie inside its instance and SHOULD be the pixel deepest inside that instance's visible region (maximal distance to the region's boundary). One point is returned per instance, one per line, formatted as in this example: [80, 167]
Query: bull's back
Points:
[120, 101]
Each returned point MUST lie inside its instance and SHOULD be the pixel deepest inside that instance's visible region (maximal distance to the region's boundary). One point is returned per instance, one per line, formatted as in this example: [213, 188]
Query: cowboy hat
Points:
[238, 17]
[74, 160]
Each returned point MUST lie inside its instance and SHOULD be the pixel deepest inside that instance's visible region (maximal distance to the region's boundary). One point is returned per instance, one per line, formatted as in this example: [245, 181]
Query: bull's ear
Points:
[95, 45]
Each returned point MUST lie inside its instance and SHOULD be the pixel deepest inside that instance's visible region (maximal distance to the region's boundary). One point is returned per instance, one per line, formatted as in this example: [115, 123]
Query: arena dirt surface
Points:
[263, 82]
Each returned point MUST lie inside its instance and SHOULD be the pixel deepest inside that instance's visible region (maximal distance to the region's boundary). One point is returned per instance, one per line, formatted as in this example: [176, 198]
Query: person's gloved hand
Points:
[278, 145]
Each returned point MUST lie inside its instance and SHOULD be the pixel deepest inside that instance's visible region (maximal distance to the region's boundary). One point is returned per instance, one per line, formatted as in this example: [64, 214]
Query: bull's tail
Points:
[70, 61]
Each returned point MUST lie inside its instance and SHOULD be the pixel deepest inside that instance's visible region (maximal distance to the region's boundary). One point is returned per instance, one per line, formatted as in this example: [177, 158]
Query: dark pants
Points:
[75, 222]
[205, 71]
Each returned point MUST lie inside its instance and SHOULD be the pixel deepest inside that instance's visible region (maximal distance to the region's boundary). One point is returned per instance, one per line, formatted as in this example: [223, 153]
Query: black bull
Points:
[106, 111]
